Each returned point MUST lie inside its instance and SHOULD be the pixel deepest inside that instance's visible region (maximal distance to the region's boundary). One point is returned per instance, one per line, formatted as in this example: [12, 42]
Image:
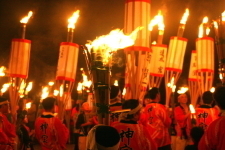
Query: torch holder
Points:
[101, 80]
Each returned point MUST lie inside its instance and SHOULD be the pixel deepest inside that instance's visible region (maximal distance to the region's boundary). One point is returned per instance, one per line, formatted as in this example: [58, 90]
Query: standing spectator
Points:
[51, 133]
[196, 134]
[183, 123]
[214, 137]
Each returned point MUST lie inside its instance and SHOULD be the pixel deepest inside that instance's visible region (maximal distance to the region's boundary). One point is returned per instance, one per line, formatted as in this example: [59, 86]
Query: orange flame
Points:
[201, 31]
[26, 19]
[154, 43]
[157, 20]
[2, 71]
[207, 31]
[116, 83]
[5, 87]
[192, 109]
[72, 20]
[185, 17]
[28, 105]
[205, 19]
[29, 87]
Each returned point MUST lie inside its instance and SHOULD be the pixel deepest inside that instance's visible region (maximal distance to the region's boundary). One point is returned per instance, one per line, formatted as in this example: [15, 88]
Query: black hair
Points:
[107, 136]
[48, 103]
[152, 93]
[3, 99]
[207, 97]
[219, 97]
[130, 104]
[196, 134]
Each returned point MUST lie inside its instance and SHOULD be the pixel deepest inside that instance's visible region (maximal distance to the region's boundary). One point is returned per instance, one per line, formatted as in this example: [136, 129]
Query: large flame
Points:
[115, 40]
[201, 27]
[45, 92]
[185, 17]
[26, 19]
[79, 87]
[182, 90]
[28, 105]
[223, 16]
[215, 24]
[72, 20]
[116, 83]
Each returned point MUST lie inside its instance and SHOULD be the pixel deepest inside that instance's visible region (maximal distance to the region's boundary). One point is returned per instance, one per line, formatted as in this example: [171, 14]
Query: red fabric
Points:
[51, 133]
[182, 121]
[114, 117]
[214, 138]
[157, 120]
[134, 136]
[205, 116]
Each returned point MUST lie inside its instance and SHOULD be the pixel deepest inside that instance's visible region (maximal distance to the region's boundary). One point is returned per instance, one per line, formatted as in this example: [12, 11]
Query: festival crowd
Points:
[134, 125]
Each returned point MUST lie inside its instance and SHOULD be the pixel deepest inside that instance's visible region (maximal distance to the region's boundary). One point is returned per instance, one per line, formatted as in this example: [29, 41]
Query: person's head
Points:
[154, 94]
[135, 107]
[147, 100]
[48, 104]
[115, 95]
[196, 134]
[103, 137]
[182, 99]
[86, 108]
[219, 97]
[207, 97]
[22, 118]
[4, 105]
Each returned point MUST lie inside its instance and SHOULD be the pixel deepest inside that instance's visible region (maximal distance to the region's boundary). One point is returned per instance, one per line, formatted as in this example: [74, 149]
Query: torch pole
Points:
[23, 30]
[70, 35]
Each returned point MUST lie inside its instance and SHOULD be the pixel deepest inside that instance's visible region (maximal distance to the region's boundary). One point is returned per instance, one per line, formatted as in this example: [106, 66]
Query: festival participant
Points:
[83, 123]
[132, 134]
[195, 134]
[51, 133]
[7, 130]
[183, 123]
[214, 137]
[97, 138]
[205, 113]
[156, 118]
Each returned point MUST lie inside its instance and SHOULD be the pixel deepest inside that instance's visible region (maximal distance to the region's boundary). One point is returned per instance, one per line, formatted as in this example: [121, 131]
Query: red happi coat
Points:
[183, 122]
[134, 136]
[157, 121]
[7, 134]
[114, 117]
[204, 116]
[214, 138]
[51, 133]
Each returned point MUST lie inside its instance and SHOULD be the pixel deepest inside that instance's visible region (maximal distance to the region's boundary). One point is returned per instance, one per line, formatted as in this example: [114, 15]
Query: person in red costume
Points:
[133, 136]
[51, 133]
[183, 123]
[205, 114]
[7, 130]
[214, 136]
[156, 118]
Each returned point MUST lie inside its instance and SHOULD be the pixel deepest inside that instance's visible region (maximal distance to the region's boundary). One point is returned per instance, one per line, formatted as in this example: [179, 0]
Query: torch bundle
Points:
[175, 57]
[205, 57]
[99, 61]
[19, 64]
[193, 79]
[67, 66]
[137, 14]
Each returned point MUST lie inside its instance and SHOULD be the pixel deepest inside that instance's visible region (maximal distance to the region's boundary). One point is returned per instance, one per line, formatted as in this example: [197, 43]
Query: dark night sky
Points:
[48, 27]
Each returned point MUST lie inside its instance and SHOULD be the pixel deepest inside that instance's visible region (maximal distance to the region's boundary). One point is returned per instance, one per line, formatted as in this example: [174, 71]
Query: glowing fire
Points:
[116, 39]
[26, 19]
[51, 83]
[182, 90]
[185, 17]
[201, 27]
[124, 91]
[215, 24]
[2, 71]
[223, 16]
[79, 87]
[22, 87]
[72, 20]
[192, 109]
[116, 83]
[29, 87]
[5, 87]
[28, 105]
[157, 20]
[86, 82]
[61, 90]
[45, 92]
[212, 89]
[56, 92]
[154, 43]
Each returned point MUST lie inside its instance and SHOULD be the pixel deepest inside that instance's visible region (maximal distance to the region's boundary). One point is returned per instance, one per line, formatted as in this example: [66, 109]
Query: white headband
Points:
[123, 116]
[93, 145]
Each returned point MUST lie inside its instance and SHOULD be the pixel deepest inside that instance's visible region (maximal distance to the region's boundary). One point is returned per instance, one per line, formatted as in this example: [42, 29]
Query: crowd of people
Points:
[134, 126]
